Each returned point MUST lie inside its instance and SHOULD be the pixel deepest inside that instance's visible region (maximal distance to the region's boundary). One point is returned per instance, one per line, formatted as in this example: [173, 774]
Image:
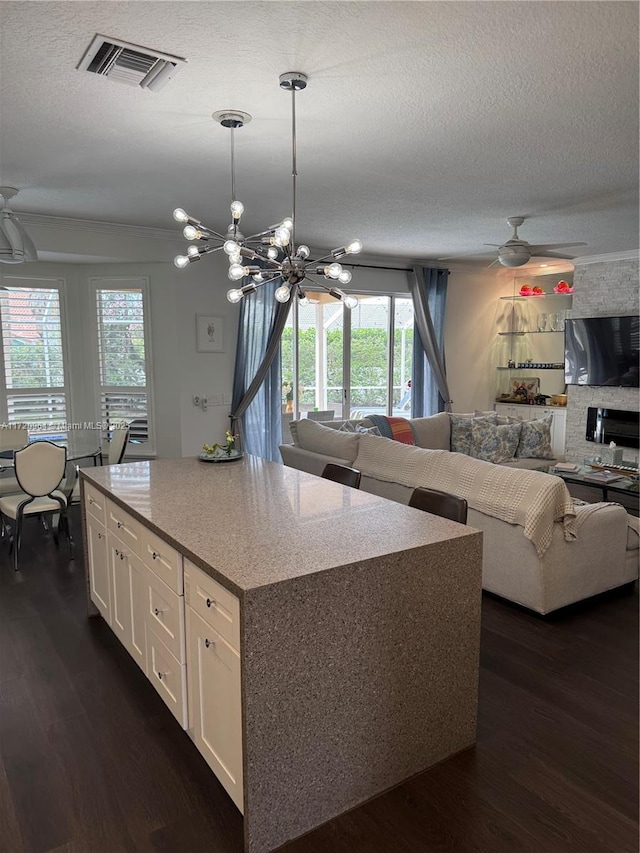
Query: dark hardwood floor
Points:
[91, 761]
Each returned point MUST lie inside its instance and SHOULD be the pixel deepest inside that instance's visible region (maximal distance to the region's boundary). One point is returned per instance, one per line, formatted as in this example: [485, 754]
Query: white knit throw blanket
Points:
[531, 499]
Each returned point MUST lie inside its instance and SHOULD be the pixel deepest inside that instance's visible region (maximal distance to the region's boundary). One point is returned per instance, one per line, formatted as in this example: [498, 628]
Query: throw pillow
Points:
[493, 443]
[535, 439]
[326, 440]
[461, 431]
[433, 432]
[398, 429]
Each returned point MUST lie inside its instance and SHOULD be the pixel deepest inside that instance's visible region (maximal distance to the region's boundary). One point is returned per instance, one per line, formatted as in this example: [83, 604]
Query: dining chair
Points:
[12, 438]
[39, 468]
[342, 474]
[440, 503]
[117, 448]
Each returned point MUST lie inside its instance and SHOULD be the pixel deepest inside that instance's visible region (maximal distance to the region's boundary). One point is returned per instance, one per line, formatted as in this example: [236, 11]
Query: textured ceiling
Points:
[423, 127]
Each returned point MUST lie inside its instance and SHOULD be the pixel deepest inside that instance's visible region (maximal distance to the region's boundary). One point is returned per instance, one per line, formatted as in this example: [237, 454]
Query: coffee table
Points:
[626, 486]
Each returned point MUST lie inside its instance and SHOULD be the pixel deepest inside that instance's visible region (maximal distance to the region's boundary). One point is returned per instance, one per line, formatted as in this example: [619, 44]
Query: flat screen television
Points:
[602, 351]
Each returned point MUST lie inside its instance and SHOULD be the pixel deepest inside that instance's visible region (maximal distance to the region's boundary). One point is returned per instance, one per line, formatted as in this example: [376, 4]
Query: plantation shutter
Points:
[123, 361]
[34, 375]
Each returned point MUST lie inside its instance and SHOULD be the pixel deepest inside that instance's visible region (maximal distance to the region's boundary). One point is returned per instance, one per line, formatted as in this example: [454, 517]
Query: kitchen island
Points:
[319, 644]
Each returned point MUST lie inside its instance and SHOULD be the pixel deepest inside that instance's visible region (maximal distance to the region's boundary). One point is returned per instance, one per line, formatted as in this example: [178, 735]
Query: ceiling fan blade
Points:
[497, 245]
[555, 246]
[493, 263]
[552, 255]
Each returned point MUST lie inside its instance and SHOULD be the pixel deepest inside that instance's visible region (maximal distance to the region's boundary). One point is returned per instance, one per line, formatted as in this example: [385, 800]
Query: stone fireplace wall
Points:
[605, 289]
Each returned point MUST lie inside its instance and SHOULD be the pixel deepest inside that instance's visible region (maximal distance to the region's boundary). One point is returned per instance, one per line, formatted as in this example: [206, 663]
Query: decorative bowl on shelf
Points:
[221, 456]
[563, 287]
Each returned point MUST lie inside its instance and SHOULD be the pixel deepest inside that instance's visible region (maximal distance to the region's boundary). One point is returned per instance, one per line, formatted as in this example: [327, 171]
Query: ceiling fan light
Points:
[282, 293]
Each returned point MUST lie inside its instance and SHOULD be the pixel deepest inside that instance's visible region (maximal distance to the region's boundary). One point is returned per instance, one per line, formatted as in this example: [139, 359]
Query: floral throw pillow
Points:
[535, 439]
[461, 431]
[493, 443]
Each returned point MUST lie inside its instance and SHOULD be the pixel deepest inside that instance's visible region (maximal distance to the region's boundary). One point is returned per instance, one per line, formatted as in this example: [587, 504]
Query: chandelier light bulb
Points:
[345, 277]
[281, 236]
[236, 272]
[181, 261]
[193, 251]
[191, 232]
[333, 270]
[354, 247]
[236, 258]
[272, 253]
[179, 215]
[283, 293]
[258, 277]
[287, 223]
[234, 295]
[237, 209]
[350, 301]
[303, 298]
[230, 247]
[303, 252]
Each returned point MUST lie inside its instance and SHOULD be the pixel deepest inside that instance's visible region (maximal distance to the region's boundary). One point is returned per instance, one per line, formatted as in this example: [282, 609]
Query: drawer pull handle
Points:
[117, 553]
[91, 501]
[119, 524]
[99, 535]
[210, 602]
[161, 675]
[209, 643]
[154, 556]
[157, 611]
[122, 555]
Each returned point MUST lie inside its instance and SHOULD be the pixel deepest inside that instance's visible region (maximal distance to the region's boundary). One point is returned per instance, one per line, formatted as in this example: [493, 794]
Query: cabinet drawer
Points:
[167, 675]
[163, 560]
[165, 615]
[95, 503]
[215, 604]
[126, 528]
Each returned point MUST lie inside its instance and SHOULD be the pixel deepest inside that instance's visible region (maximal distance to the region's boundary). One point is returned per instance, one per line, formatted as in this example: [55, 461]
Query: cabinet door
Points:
[100, 587]
[138, 586]
[215, 717]
[120, 589]
[128, 582]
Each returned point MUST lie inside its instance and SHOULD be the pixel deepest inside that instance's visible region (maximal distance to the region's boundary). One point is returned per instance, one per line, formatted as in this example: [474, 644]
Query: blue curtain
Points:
[257, 384]
[430, 393]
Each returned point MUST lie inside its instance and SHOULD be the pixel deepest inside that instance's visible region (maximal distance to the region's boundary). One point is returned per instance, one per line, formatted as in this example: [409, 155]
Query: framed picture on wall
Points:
[209, 333]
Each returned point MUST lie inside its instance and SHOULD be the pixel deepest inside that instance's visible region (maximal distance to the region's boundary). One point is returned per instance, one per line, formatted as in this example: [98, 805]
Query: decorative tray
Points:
[221, 457]
[626, 470]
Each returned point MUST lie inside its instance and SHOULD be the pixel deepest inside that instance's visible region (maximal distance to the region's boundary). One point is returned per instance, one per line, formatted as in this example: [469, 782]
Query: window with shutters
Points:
[124, 375]
[33, 355]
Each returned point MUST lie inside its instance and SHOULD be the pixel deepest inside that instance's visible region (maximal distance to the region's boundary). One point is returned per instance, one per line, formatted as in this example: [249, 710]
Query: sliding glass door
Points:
[338, 363]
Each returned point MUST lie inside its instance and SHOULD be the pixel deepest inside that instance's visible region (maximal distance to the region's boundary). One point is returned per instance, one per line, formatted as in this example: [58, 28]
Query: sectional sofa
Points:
[540, 549]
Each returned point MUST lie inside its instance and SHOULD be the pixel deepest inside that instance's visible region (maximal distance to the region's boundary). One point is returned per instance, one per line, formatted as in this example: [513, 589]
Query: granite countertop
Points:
[253, 523]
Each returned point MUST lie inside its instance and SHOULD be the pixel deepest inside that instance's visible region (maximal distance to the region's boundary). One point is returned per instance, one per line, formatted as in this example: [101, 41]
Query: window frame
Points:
[146, 449]
[23, 282]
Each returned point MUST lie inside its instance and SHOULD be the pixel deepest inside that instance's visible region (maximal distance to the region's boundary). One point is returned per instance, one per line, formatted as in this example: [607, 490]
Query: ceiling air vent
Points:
[130, 63]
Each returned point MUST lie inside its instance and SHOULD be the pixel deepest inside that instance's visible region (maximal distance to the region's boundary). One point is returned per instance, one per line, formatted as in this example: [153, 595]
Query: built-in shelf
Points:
[529, 367]
[539, 296]
[535, 332]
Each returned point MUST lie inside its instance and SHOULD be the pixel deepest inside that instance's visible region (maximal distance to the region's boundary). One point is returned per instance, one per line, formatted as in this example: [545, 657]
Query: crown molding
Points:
[114, 229]
[630, 255]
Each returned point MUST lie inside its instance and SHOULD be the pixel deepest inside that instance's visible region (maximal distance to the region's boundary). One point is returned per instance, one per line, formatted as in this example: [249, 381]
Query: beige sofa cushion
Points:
[434, 432]
[311, 435]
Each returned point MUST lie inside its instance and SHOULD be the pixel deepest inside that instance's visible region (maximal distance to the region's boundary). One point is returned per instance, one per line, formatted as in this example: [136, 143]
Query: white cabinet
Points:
[99, 584]
[128, 582]
[523, 412]
[215, 716]
[137, 582]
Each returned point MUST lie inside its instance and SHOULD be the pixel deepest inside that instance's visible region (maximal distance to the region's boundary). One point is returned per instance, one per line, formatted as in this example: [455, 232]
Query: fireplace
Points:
[605, 425]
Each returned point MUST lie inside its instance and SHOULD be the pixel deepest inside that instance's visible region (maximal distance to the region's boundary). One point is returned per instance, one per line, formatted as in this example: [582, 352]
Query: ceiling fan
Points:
[516, 252]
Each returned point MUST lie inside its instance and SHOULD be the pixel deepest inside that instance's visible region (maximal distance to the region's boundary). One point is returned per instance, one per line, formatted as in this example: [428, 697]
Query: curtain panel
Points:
[430, 392]
[256, 410]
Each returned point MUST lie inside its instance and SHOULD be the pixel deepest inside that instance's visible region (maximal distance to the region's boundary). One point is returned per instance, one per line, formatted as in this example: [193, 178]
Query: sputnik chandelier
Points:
[271, 255]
